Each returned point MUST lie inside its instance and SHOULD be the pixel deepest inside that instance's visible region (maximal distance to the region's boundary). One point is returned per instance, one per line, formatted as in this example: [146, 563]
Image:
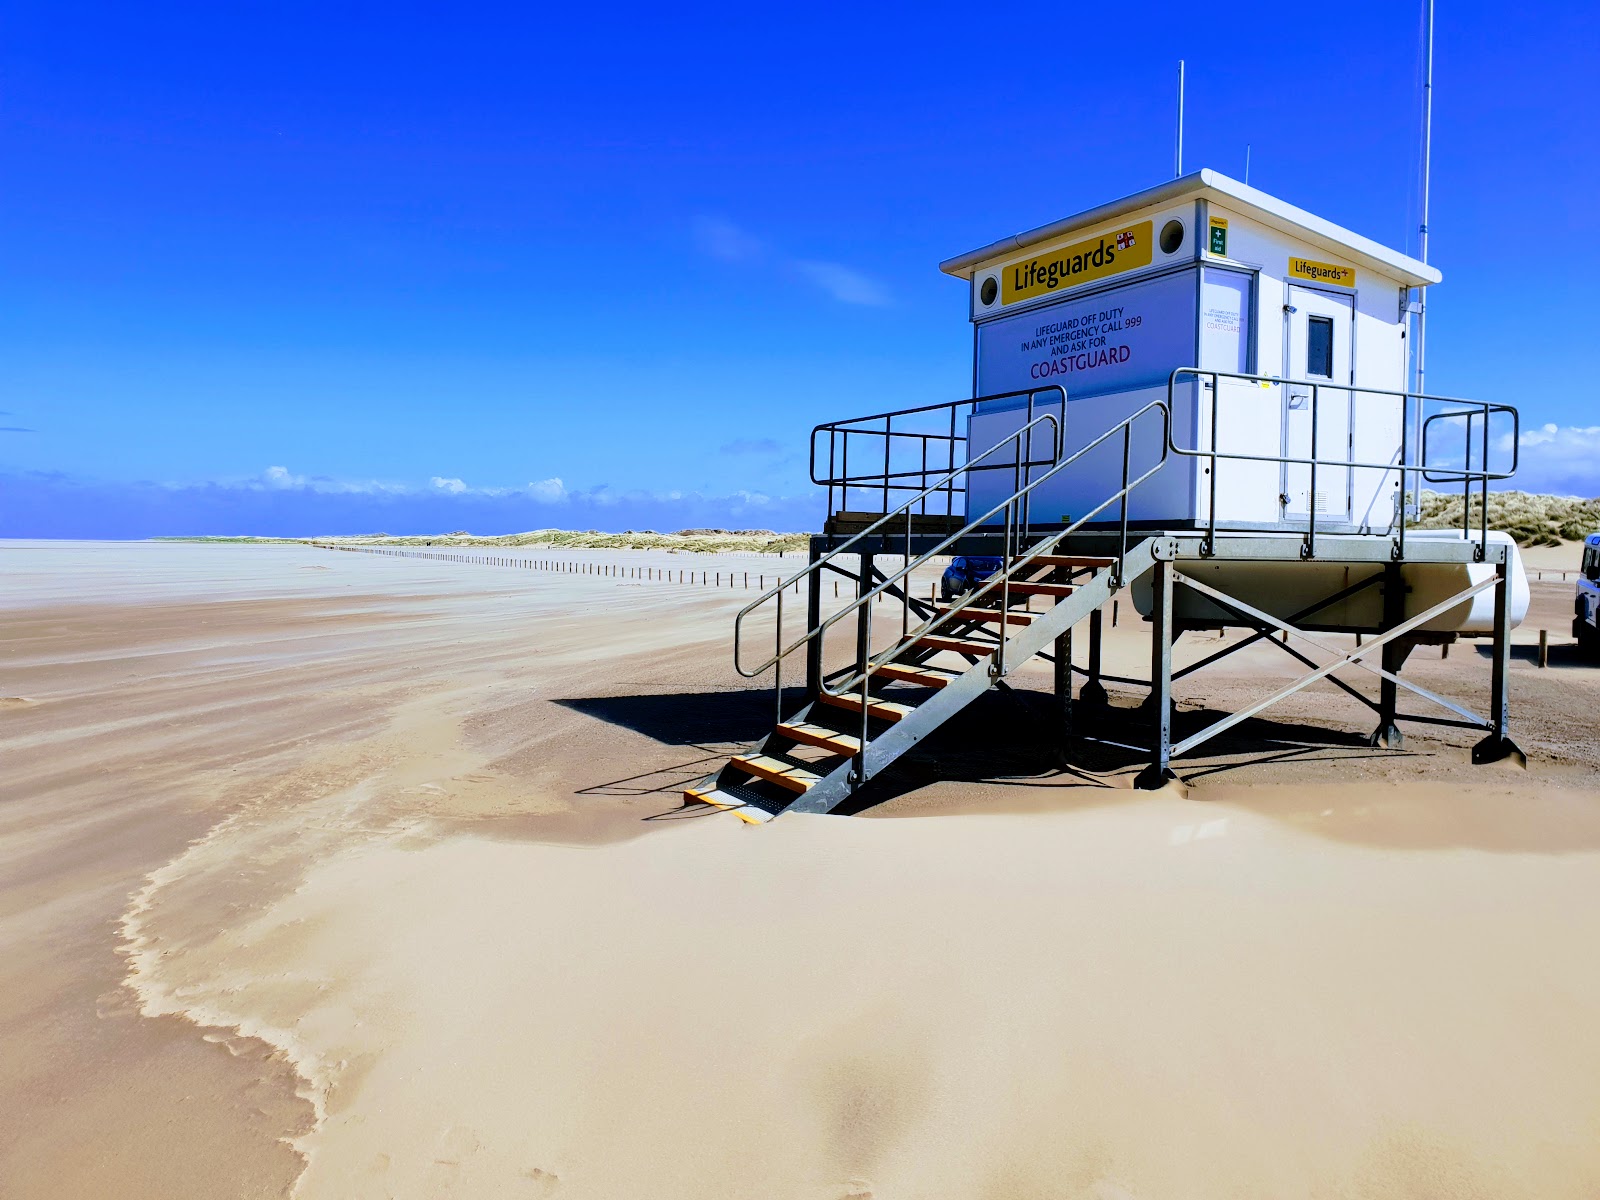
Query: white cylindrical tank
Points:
[1286, 588]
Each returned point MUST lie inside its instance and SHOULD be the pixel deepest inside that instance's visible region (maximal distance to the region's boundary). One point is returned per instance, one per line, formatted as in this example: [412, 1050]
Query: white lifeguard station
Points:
[1195, 395]
[1219, 281]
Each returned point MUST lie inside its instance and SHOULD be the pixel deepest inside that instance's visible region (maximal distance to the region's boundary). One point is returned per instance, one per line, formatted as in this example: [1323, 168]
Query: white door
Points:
[1320, 330]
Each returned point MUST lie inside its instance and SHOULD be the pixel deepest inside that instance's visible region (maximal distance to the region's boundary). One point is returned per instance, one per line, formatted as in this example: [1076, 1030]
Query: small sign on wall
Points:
[1306, 270]
[1219, 236]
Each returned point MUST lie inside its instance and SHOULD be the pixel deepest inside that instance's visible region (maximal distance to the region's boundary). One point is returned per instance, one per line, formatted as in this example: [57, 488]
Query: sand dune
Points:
[394, 862]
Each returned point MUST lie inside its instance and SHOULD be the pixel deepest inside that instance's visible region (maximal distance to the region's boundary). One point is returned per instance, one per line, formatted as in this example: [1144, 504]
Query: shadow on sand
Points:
[1005, 737]
[1009, 739]
[1563, 655]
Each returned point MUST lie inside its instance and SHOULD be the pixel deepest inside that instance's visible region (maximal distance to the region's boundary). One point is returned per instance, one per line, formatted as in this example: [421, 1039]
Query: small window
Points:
[1591, 563]
[1319, 347]
[1171, 237]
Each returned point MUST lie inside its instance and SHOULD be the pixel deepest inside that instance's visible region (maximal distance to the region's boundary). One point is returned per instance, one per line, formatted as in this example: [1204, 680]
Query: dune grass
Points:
[1530, 518]
[703, 541]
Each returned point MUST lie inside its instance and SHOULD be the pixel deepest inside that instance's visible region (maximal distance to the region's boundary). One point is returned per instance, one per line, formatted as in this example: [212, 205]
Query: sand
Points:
[332, 875]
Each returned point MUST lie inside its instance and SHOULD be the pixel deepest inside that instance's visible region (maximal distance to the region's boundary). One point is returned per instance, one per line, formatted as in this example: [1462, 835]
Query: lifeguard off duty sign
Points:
[1125, 336]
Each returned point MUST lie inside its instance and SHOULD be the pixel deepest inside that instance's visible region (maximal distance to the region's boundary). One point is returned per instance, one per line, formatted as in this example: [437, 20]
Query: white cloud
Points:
[721, 239]
[1574, 441]
[724, 240]
[281, 479]
[1559, 458]
[544, 491]
[844, 284]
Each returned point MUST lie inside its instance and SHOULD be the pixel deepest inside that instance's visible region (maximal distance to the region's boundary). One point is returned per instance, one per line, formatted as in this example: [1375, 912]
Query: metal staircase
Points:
[857, 721]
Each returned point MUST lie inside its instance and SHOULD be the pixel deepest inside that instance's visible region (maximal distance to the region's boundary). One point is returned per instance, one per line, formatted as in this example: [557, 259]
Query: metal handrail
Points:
[1469, 408]
[1447, 475]
[1001, 580]
[779, 588]
[840, 434]
[866, 663]
[1012, 565]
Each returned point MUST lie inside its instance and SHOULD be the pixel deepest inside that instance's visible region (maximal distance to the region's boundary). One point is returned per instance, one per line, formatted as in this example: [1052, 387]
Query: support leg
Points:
[1388, 733]
[1064, 695]
[1497, 745]
[863, 654]
[863, 623]
[1063, 681]
[1159, 773]
[1093, 692]
[813, 619]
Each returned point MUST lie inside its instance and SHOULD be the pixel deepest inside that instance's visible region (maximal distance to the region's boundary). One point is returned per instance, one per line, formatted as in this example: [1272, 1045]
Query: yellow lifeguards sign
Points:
[1110, 253]
[1308, 270]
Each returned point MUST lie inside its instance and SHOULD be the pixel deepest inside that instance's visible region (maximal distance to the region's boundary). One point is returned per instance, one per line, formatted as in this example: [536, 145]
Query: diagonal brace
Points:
[1351, 659]
[1265, 631]
[1240, 606]
[1345, 594]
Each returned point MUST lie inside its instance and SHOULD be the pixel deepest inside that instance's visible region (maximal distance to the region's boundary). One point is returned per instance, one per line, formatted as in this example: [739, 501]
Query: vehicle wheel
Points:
[1589, 643]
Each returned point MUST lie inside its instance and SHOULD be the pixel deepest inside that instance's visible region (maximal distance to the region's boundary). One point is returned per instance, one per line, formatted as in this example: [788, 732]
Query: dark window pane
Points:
[1319, 347]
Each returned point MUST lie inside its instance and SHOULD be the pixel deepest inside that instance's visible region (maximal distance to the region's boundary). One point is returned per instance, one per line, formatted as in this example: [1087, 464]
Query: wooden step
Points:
[974, 612]
[1070, 561]
[820, 736]
[855, 522]
[906, 673]
[936, 641]
[719, 799]
[1020, 587]
[775, 770]
[884, 710]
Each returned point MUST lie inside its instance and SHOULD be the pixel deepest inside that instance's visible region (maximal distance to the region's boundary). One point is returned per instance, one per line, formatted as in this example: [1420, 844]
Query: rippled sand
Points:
[345, 876]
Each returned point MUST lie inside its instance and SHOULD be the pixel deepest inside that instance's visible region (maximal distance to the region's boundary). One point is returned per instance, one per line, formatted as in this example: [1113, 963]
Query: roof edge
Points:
[1274, 211]
[1170, 190]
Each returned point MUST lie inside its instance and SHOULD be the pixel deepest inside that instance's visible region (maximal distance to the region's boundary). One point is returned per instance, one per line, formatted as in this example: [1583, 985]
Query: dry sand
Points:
[342, 876]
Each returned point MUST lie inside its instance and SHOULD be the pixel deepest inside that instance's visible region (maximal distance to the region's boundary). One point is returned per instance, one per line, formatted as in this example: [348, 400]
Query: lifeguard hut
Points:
[1197, 394]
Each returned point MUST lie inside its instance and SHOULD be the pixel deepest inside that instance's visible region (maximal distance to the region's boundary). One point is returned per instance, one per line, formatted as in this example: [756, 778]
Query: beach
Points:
[342, 875]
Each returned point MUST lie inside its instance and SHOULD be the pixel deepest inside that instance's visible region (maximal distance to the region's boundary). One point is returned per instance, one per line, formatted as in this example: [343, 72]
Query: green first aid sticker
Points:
[1219, 236]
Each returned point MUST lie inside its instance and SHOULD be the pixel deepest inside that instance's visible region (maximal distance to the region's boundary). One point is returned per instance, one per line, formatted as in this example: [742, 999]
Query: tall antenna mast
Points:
[1177, 154]
[1427, 167]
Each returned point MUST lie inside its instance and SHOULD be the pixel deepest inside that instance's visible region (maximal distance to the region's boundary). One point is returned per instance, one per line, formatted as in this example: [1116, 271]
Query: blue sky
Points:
[313, 269]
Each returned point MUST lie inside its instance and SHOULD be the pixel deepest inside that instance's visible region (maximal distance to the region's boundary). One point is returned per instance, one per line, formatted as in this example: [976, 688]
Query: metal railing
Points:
[1015, 532]
[1413, 415]
[880, 451]
[1017, 438]
[1435, 475]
